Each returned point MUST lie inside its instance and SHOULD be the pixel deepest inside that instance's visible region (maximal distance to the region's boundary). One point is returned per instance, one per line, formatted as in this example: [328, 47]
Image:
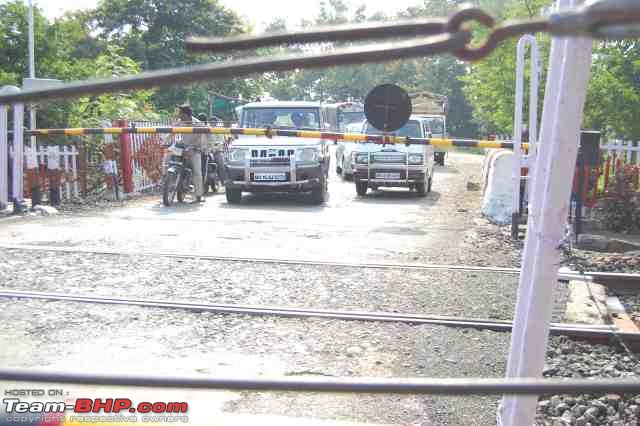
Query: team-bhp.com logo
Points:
[97, 405]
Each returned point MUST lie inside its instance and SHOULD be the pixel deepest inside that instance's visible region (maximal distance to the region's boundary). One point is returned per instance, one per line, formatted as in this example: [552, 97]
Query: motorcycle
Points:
[178, 179]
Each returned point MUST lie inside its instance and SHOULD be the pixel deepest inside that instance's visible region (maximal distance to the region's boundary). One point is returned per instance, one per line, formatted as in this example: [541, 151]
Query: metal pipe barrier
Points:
[336, 136]
[425, 386]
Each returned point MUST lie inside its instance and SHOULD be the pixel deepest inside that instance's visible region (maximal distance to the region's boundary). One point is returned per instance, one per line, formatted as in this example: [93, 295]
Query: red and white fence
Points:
[616, 154]
[142, 157]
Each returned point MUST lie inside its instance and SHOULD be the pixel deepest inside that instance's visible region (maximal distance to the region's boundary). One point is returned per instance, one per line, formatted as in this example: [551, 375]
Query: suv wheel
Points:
[319, 193]
[361, 188]
[234, 195]
[421, 189]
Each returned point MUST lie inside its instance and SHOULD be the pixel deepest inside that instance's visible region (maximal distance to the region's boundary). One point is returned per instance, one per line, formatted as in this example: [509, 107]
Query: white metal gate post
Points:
[18, 155]
[521, 160]
[562, 116]
[4, 157]
[4, 147]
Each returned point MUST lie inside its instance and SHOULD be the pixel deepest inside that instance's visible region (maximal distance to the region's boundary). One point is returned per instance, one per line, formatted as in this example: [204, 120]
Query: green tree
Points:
[63, 50]
[135, 105]
[152, 32]
[438, 74]
[613, 97]
[490, 84]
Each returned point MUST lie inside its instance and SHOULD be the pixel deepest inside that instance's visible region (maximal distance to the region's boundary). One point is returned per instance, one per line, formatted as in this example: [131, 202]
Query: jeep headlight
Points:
[362, 158]
[307, 155]
[238, 155]
[416, 158]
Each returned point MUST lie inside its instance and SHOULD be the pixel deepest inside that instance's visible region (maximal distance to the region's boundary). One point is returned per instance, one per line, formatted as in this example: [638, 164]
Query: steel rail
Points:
[178, 255]
[590, 333]
[337, 385]
[565, 274]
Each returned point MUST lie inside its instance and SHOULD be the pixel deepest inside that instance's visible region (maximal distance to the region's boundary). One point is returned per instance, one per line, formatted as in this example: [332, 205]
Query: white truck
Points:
[433, 109]
[395, 165]
[279, 164]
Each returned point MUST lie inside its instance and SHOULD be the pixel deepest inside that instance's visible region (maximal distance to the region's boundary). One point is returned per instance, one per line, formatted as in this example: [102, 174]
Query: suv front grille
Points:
[271, 157]
[391, 158]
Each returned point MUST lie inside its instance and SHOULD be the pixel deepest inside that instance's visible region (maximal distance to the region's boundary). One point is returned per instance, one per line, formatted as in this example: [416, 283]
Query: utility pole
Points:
[33, 168]
[32, 71]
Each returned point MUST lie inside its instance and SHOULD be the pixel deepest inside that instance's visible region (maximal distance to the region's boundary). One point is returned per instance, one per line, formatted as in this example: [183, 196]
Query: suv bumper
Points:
[298, 179]
[407, 175]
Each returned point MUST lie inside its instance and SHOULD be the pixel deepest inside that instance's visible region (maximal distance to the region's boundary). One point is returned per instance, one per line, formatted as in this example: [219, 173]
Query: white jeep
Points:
[279, 163]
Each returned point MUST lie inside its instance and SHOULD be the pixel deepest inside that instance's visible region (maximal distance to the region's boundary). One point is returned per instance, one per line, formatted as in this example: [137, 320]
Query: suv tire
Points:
[234, 195]
[361, 188]
[319, 193]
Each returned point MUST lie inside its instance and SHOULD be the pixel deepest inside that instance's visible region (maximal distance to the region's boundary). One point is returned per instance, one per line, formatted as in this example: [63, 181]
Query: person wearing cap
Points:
[198, 141]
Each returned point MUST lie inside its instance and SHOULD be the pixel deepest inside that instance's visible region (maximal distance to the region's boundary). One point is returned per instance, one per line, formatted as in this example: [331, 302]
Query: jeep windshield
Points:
[282, 118]
[411, 129]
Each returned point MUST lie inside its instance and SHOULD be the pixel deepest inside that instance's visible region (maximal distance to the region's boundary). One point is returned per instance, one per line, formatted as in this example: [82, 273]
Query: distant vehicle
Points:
[345, 117]
[395, 165]
[345, 152]
[279, 164]
[433, 108]
[342, 114]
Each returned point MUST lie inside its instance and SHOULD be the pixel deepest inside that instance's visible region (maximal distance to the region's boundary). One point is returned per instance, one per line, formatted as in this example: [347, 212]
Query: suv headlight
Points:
[307, 155]
[362, 158]
[238, 155]
[416, 158]
[353, 159]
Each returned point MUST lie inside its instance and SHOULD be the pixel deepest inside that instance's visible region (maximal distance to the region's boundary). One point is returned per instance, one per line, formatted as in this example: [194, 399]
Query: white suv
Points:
[395, 165]
[279, 163]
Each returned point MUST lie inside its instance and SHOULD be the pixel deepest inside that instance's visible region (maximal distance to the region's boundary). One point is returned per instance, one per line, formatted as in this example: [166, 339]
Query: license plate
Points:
[395, 176]
[269, 177]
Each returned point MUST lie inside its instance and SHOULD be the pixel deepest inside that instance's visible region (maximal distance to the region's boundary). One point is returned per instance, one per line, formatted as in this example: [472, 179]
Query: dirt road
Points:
[386, 226]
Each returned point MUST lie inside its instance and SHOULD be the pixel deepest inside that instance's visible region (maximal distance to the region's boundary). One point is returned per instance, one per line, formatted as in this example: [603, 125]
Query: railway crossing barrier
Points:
[232, 131]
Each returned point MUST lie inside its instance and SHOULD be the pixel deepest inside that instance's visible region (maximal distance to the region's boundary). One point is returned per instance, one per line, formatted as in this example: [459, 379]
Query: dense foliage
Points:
[126, 36]
[620, 207]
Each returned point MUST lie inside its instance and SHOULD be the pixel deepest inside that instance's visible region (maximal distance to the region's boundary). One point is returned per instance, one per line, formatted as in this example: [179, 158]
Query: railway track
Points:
[596, 334]
[606, 278]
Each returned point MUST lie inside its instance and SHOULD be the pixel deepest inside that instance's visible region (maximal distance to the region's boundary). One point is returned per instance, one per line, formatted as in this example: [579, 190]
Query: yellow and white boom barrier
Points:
[336, 136]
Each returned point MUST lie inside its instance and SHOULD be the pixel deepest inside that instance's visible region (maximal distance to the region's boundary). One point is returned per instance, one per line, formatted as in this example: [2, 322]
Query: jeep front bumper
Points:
[401, 175]
[297, 177]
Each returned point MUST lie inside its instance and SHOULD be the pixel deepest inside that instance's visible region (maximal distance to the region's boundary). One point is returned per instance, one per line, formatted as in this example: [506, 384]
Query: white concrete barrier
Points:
[498, 190]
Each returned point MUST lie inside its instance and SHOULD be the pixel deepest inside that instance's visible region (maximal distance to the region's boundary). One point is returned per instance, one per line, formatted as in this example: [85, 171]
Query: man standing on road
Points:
[199, 142]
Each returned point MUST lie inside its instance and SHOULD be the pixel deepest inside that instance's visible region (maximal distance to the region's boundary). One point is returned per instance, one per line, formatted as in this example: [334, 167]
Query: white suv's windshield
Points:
[281, 118]
[411, 129]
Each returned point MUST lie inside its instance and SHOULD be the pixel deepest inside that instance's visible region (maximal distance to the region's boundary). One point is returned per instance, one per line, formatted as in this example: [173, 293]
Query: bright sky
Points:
[257, 12]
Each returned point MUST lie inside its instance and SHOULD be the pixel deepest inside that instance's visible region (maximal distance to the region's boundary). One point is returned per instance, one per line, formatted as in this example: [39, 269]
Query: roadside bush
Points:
[620, 208]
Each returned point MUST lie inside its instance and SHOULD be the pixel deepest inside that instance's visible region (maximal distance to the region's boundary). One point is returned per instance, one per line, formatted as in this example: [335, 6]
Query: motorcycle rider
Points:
[198, 141]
